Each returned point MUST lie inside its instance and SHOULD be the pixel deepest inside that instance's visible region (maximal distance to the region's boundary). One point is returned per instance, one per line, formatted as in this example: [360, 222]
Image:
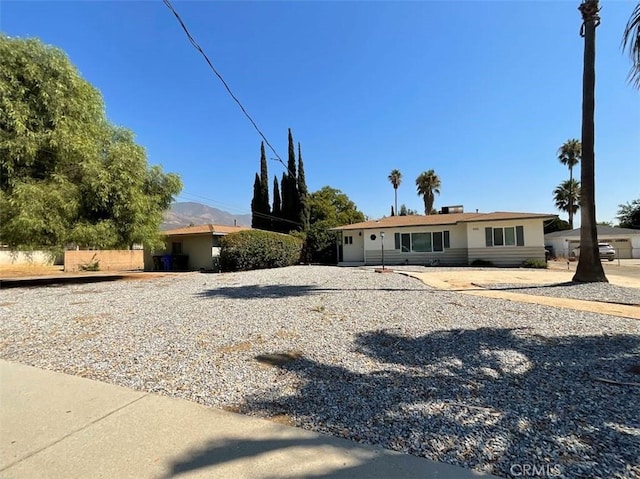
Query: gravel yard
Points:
[378, 358]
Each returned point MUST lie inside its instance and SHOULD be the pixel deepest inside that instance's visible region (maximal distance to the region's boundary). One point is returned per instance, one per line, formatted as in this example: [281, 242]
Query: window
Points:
[421, 242]
[348, 240]
[437, 241]
[176, 248]
[405, 242]
[509, 236]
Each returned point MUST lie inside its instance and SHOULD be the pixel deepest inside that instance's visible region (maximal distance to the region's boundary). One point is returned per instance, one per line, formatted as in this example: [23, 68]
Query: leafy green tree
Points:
[404, 211]
[428, 185]
[556, 224]
[629, 215]
[566, 197]
[66, 174]
[303, 194]
[569, 155]
[589, 269]
[631, 41]
[329, 207]
[395, 177]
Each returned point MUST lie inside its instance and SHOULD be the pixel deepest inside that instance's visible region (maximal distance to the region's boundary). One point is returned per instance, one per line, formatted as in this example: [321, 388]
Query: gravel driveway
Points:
[378, 358]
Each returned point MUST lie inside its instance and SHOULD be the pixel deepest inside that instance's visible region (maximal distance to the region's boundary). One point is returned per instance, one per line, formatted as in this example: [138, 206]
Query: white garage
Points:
[625, 241]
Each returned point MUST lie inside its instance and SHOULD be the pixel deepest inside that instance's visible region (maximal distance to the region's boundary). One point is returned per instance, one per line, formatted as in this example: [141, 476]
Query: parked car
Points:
[605, 249]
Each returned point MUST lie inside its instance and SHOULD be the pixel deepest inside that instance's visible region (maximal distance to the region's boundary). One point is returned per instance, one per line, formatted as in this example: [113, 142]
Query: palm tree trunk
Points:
[571, 197]
[589, 269]
[395, 190]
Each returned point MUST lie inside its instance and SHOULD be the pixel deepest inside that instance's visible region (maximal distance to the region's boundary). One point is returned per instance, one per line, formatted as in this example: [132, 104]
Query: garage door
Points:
[622, 247]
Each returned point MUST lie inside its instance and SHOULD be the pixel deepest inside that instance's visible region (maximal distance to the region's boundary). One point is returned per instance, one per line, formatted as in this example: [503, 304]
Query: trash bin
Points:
[157, 263]
[167, 263]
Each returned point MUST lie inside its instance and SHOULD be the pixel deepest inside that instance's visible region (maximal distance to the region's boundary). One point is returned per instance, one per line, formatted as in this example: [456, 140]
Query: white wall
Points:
[352, 253]
[26, 258]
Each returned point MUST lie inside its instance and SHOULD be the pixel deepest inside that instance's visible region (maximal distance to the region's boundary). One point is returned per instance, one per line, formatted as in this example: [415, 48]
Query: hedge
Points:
[257, 249]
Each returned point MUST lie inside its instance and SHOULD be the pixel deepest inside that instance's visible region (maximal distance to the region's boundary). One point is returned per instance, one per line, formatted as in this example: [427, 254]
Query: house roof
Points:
[204, 229]
[602, 231]
[440, 219]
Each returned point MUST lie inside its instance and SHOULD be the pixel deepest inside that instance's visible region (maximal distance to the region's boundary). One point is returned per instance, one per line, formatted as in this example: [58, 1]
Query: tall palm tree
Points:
[566, 196]
[428, 185]
[589, 269]
[395, 177]
[631, 41]
[569, 155]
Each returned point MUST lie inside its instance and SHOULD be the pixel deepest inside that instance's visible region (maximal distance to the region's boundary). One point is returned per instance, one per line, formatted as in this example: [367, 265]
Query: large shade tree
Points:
[329, 207]
[631, 43]
[67, 175]
[569, 155]
[395, 177]
[428, 185]
[589, 267]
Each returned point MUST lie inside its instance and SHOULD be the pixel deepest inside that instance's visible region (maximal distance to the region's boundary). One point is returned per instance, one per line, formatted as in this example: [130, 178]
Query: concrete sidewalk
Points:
[54, 425]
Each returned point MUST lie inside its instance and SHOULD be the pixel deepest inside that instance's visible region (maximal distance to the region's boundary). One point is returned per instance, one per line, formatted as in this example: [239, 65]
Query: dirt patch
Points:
[22, 270]
[235, 348]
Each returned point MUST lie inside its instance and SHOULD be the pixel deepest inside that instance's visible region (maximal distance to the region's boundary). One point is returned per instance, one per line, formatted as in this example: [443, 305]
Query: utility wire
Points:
[197, 47]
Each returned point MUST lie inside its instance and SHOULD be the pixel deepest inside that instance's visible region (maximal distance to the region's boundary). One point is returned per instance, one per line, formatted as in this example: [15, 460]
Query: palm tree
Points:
[395, 177]
[631, 40]
[589, 269]
[428, 184]
[569, 155]
[567, 197]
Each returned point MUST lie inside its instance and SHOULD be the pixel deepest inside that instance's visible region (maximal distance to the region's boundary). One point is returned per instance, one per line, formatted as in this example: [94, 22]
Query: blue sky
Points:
[482, 92]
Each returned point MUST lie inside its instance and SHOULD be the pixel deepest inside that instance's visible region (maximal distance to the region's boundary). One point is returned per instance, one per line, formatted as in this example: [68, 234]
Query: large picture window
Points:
[437, 241]
[421, 242]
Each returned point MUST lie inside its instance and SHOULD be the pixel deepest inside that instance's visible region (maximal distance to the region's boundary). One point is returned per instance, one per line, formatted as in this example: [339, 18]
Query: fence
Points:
[103, 260]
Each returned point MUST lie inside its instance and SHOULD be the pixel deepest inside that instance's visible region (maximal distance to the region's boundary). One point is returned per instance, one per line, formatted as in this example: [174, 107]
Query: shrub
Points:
[257, 249]
[481, 262]
[535, 263]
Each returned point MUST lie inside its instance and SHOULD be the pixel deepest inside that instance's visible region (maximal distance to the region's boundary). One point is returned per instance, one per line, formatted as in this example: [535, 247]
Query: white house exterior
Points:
[196, 245]
[625, 241]
[504, 239]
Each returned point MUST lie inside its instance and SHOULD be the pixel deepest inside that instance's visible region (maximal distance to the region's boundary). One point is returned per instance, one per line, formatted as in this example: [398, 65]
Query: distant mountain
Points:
[186, 213]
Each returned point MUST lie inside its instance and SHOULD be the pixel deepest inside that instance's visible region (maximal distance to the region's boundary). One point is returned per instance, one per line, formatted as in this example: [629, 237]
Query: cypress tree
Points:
[303, 194]
[284, 202]
[256, 220]
[290, 194]
[277, 201]
[264, 189]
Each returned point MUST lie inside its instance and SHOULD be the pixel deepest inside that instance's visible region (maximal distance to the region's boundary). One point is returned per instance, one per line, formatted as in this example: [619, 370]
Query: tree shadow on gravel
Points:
[487, 399]
[283, 291]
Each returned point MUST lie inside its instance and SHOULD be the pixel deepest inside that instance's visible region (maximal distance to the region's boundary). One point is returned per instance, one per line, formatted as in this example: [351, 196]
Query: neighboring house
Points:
[505, 239]
[625, 241]
[190, 248]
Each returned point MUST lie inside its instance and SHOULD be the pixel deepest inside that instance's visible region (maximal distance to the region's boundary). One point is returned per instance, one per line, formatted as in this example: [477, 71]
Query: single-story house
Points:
[504, 239]
[190, 248]
[625, 241]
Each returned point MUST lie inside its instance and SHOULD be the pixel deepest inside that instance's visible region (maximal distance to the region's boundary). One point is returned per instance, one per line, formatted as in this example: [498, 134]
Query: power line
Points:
[197, 47]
